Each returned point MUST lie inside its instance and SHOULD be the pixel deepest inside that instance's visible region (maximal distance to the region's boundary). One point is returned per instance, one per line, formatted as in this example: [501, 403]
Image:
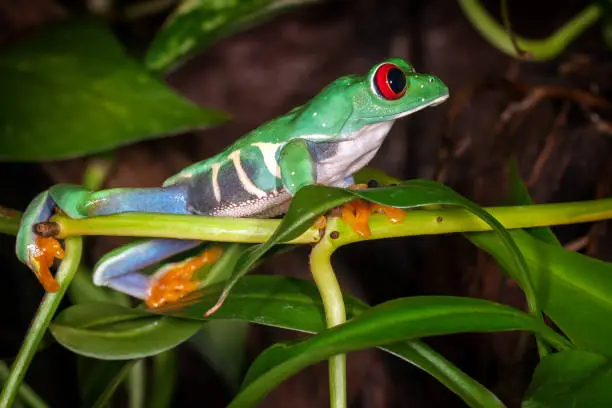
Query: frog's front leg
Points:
[297, 166]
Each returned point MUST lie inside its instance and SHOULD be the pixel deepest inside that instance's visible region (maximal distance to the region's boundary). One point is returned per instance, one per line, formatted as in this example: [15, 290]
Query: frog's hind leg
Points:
[120, 270]
[166, 200]
[39, 253]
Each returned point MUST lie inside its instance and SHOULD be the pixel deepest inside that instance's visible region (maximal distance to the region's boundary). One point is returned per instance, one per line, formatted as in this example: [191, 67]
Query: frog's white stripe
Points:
[215, 181]
[315, 136]
[243, 177]
[268, 152]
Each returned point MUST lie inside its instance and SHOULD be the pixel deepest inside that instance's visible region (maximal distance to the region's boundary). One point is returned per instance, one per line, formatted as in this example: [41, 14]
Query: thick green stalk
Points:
[418, 222]
[136, 385]
[335, 314]
[41, 321]
[219, 229]
[541, 50]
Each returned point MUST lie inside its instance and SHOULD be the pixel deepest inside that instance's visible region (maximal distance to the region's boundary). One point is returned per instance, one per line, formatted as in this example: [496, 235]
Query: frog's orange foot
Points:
[42, 255]
[356, 214]
[320, 223]
[394, 215]
[176, 280]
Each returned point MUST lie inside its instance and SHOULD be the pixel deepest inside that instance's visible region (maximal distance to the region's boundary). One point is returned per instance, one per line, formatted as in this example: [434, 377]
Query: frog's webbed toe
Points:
[357, 213]
[175, 280]
[37, 252]
[121, 270]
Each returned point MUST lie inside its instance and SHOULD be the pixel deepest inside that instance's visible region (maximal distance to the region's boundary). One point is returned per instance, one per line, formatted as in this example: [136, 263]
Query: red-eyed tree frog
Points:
[323, 142]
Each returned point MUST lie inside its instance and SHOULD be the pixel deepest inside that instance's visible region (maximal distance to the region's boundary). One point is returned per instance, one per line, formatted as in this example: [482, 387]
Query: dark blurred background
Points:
[499, 107]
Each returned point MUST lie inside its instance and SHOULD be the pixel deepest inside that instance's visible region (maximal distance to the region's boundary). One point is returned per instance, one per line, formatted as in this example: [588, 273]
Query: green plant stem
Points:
[97, 170]
[540, 50]
[508, 25]
[219, 229]
[9, 220]
[418, 222]
[41, 321]
[335, 314]
[27, 394]
[136, 385]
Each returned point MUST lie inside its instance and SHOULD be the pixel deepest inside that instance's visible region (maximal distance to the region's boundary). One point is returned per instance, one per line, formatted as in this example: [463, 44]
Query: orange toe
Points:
[394, 215]
[359, 186]
[362, 218]
[176, 280]
[320, 222]
[356, 214]
[43, 253]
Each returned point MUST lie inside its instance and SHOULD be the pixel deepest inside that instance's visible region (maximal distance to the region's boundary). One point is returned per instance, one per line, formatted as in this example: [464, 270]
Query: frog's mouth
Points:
[439, 100]
[434, 102]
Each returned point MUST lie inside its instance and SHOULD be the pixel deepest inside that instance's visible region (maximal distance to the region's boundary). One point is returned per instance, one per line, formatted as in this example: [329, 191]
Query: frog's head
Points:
[390, 90]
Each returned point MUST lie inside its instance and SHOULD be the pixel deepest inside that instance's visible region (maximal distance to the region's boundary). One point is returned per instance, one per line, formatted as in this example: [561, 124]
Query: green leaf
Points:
[390, 322]
[83, 290]
[575, 290]
[295, 304]
[71, 90]
[312, 201]
[198, 23]
[112, 332]
[572, 378]
[98, 380]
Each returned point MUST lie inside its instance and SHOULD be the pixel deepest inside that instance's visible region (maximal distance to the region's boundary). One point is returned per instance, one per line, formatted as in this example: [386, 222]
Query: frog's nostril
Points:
[439, 86]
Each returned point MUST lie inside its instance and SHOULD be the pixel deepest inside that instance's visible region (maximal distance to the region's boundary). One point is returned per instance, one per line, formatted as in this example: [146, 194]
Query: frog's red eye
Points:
[390, 81]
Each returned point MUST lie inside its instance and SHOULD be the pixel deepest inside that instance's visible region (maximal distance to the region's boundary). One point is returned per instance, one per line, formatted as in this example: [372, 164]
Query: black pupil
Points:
[396, 80]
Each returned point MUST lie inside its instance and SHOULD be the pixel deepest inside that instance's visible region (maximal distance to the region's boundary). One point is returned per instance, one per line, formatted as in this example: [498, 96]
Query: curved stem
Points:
[508, 24]
[335, 314]
[541, 50]
[41, 321]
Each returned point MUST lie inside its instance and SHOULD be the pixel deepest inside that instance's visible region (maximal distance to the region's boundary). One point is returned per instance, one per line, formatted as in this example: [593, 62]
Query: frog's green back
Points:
[274, 131]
